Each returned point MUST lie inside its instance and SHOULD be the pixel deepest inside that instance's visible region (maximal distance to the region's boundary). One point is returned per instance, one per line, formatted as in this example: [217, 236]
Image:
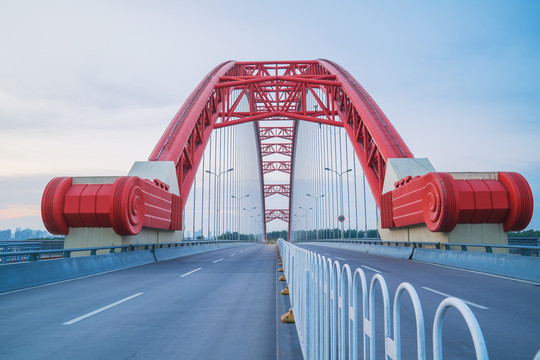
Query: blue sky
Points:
[87, 88]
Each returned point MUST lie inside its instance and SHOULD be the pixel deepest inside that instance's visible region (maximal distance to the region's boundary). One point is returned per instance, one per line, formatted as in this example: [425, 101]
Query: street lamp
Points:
[306, 210]
[298, 221]
[249, 212]
[316, 212]
[217, 197]
[239, 202]
[340, 174]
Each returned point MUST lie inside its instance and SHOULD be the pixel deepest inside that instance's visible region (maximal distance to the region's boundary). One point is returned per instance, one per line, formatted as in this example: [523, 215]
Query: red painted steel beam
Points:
[362, 116]
[280, 115]
[186, 137]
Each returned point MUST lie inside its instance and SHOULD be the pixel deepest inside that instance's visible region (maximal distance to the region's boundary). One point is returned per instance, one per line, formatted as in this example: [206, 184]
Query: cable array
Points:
[328, 183]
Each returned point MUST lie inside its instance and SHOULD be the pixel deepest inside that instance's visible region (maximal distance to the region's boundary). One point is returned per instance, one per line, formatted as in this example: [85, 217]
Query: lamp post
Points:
[298, 221]
[239, 206]
[306, 211]
[249, 211]
[316, 213]
[217, 197]
[340, 174]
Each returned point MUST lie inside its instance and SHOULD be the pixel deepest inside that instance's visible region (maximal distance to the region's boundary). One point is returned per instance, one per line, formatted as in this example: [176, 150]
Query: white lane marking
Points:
[100, 309]
[191, 272]
[340, 258]
[232, 255]
[479, 272]
[447, 295]
[326, 254]
[213, 262]
[372, 269]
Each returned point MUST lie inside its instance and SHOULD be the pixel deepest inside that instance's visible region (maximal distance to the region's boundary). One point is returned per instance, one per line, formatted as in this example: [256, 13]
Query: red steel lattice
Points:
[277, 189]
[277, 214]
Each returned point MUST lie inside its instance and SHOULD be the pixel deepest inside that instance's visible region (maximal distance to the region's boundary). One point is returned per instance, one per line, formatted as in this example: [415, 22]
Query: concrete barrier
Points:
[27, 274]
[399, 252]
[520, 267]
[176, 252]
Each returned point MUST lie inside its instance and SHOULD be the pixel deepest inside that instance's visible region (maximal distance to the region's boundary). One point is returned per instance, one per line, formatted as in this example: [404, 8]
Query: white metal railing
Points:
[328, 298]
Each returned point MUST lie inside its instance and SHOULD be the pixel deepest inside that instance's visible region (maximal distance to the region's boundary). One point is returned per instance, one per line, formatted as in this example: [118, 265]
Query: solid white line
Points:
[340, 258]
[213, 262]
[232, 255]
[479, 272]
[191, 272]
[446, 295]
[100, 310]
[372, 269]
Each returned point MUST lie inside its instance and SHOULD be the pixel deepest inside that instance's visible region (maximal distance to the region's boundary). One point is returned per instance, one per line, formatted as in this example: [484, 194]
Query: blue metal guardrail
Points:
[521, 249]
[16, 253]
[327, 321]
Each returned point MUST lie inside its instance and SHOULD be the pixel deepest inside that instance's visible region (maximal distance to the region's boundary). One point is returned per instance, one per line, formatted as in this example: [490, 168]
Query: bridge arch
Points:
[278, 90]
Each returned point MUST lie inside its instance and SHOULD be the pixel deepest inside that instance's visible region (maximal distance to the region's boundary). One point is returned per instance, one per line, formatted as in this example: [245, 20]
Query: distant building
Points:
[5, 235]
[21, 235]
[40, 234]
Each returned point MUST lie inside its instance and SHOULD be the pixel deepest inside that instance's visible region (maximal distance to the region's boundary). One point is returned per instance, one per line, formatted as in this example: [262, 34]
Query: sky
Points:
[87, 88]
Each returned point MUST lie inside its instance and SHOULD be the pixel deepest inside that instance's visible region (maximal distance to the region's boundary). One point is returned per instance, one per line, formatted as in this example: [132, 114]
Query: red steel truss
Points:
[284, 149]
[270, 166]
[280, 148]
[279, 189]
[285, 133]
[277, 214]
[278, 91]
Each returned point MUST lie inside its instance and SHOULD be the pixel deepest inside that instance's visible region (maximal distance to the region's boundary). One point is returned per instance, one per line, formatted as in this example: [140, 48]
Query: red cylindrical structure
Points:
[442, 202]
[126, 205]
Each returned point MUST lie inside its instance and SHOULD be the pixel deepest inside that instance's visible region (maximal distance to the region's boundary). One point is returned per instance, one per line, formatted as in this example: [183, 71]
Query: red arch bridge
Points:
[314, 124]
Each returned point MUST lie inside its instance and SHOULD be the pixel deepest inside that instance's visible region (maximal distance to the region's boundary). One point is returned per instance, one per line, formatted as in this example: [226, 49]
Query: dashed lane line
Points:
[447, 295]
[216, 261]
[372, 269]
[77, 319]
[191, 272]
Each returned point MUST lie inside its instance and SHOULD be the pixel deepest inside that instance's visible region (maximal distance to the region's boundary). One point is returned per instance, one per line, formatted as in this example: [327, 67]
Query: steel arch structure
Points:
[278, 90]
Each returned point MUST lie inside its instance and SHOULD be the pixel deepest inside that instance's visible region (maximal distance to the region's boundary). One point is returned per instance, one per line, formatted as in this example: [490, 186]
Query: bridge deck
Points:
[225, 309]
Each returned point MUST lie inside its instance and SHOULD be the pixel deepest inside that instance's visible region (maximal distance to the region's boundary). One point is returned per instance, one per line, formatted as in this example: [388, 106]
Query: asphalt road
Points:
[507, 310]
[215, 305]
